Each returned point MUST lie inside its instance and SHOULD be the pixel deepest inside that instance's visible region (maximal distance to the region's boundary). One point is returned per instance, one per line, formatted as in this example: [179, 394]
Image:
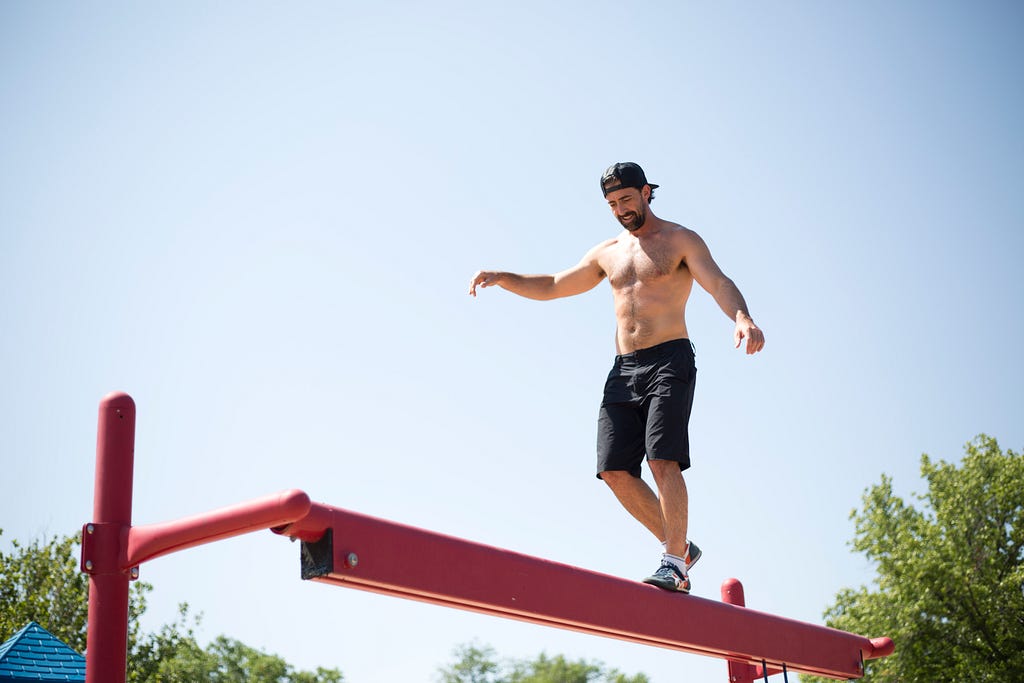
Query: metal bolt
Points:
[135, 572]
[90, 528]
[88, 565]
[352, 560]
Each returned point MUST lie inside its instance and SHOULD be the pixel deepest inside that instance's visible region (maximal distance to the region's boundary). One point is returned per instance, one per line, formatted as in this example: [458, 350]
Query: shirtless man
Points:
[651, 266]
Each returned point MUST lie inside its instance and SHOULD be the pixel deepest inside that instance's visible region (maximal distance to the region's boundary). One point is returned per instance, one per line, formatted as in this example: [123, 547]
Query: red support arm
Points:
[149, 541]
[375, 555]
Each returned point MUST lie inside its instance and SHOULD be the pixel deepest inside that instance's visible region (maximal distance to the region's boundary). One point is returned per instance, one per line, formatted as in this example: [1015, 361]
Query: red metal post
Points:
[732, 593]
[112, 549]
[102, 547]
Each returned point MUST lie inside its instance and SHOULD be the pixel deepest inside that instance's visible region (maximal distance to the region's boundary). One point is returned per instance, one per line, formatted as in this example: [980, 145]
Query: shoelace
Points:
[674, 570]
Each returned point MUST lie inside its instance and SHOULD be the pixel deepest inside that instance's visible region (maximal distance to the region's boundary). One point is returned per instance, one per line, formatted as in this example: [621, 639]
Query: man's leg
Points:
[638, 499]
[652, 511]
[673, 503]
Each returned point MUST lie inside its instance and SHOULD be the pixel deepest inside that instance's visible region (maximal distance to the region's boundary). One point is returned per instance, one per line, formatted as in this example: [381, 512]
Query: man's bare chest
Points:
[636, 262]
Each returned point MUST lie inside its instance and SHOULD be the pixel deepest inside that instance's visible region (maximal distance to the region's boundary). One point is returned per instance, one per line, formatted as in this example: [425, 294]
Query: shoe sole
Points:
[651, 581]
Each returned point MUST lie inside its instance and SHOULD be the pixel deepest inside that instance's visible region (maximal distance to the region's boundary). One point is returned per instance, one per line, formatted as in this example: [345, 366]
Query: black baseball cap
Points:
[623, 174]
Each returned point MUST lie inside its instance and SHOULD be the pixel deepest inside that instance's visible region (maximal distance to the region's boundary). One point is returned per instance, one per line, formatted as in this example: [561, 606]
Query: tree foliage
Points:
[477, 664]
[174, 656]
[949, 588]
[41, 582]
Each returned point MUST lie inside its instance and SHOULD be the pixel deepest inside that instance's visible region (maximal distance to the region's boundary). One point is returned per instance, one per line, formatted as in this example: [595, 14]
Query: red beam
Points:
[349, 549]
[345, 548]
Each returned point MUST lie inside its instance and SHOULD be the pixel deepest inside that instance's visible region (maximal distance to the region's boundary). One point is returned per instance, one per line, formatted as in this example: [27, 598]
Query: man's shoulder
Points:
[678, 229]
[601, 251]
[609, 243]
[677, 234]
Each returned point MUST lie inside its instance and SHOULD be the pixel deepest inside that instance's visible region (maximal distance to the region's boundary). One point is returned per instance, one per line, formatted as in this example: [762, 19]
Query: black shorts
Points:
[646, 408]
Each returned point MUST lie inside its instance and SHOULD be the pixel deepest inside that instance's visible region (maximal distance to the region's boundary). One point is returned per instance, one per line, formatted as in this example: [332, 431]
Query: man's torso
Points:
[650, 285]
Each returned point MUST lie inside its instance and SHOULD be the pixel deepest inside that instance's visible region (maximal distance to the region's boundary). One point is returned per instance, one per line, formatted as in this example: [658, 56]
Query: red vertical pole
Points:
[732, 593]
[104, 539]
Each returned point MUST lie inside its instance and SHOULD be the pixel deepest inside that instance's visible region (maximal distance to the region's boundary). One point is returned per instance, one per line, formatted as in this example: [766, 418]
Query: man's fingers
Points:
[755, 342]
[477, 280]
[482, 279]
[753, 336]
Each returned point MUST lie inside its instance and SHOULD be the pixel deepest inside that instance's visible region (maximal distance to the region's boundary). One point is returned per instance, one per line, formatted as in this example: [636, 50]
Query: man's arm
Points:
[724, 291]
[582, 277]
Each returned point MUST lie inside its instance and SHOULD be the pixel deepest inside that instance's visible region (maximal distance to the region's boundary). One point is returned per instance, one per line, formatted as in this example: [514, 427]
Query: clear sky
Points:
[260, 220]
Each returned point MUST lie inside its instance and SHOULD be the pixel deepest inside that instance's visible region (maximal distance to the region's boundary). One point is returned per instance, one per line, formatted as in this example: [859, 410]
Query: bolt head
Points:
[352, 560]
[88, 565]
[135, 572]
[90, 528]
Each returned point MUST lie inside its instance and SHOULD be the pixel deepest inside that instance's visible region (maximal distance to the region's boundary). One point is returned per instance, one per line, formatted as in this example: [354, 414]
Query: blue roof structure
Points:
[35, 654]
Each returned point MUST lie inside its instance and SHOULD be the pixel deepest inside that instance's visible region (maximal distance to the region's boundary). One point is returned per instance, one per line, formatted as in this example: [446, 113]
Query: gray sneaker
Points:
[693, 554]
[669, 578]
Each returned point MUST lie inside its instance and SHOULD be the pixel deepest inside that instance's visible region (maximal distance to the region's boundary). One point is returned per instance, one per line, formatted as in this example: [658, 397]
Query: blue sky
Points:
[260, 220]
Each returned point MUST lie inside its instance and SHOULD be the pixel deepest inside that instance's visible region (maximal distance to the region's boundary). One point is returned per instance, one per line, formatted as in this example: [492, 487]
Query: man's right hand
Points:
[484, 278]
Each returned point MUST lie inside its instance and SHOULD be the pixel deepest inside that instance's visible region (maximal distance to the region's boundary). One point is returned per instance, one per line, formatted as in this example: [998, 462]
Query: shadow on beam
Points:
[345, 548]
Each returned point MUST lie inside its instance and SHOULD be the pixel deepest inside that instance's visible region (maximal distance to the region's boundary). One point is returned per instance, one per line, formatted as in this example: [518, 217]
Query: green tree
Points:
[476, 664]
[239, 663]
[41, 582]
[173, 656]
[554, 670]
[558, 669]
[949, 588]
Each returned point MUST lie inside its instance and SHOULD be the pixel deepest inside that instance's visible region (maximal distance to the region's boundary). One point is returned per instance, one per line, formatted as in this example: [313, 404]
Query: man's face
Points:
[629, 207]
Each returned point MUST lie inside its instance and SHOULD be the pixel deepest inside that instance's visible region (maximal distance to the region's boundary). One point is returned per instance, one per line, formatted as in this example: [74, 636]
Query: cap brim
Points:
[620, 186]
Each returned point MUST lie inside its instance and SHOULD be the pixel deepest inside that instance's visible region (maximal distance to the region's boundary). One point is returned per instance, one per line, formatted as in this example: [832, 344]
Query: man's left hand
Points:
[746, 329]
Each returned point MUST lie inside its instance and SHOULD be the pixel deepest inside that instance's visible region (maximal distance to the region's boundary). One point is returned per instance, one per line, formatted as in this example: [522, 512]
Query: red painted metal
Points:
[385, 557]
[881, 647]
[732, 594]
[349, 549]
[153, 540]
[107, 629]
[112, 548]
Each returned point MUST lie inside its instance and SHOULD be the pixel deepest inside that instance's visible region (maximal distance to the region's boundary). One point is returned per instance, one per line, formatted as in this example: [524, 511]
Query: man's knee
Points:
[616, 478]
[665, 469]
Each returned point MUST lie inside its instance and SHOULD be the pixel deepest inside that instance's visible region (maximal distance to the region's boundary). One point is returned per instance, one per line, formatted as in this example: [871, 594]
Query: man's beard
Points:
[633, 221]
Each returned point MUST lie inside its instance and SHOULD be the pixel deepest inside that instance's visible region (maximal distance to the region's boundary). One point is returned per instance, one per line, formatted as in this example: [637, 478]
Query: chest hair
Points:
[637, 262]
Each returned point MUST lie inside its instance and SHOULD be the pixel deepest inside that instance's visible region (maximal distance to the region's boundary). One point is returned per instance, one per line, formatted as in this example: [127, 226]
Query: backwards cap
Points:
[623, 174]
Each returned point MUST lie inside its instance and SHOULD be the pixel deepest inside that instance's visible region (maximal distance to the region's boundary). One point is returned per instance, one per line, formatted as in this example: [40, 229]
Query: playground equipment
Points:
[345, 548]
